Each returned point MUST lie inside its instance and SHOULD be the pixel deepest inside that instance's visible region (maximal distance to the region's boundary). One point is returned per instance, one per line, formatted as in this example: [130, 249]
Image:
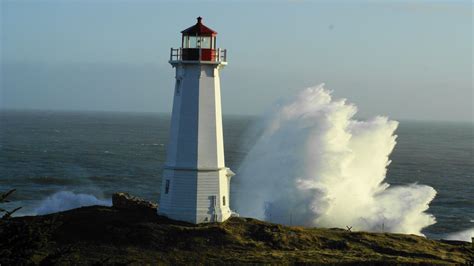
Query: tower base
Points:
[196, 196]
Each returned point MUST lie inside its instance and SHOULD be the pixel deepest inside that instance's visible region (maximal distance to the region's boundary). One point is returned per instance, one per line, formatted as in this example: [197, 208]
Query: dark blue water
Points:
[101, 153]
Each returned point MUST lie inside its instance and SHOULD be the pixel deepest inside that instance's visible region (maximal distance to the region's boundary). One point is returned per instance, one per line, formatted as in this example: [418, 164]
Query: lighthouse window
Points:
[185, 41]
[193, 42]
[167, 187]
[189, 42]
[223, 200]
[178, 87]
[205, 42]
[197, 42]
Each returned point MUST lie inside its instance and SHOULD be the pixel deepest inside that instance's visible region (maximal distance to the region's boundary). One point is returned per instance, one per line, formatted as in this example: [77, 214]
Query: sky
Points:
[403, 59]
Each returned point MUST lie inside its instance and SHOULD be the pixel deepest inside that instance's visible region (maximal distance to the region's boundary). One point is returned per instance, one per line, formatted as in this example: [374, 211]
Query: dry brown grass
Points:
[103, 235]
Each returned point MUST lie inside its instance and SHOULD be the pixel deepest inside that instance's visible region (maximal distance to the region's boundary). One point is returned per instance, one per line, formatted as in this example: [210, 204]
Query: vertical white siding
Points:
[212, 184]
[195, 165]
[180, 202]
[218, 118]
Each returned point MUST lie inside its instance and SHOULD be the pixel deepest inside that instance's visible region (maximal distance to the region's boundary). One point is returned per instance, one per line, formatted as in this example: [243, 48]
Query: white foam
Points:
[66, 200]
[465, 235]
[315, 165]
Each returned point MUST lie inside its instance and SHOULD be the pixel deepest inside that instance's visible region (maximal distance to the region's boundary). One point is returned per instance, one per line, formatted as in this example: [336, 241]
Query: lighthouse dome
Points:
[199, 29]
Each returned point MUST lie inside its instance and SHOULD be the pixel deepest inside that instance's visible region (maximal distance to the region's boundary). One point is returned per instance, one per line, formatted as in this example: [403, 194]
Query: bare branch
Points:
[5, 195]
[9, 214]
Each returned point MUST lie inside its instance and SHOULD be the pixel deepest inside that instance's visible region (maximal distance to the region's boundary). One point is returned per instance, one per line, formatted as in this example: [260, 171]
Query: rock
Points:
[125, 201]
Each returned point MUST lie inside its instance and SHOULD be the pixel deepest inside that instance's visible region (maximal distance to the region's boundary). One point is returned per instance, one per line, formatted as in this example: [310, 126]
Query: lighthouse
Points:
[196, 183]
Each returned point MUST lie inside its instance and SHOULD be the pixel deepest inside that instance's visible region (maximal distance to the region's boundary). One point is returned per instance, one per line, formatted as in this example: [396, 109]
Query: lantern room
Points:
[198, 43]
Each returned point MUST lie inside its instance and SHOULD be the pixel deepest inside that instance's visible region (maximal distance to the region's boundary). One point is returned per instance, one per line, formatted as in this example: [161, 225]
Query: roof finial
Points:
[199, 19]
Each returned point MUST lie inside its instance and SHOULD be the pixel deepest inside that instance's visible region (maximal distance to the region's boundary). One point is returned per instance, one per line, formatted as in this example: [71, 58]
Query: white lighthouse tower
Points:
[196, 182]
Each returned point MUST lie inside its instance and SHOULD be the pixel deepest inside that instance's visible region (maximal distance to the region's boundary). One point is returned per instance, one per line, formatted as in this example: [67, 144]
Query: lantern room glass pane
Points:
[205, 42]
[199, 42]
[193, 42]
[186, 42]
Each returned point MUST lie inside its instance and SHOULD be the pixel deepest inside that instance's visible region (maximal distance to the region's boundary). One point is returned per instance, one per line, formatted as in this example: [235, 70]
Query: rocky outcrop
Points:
[125, 201]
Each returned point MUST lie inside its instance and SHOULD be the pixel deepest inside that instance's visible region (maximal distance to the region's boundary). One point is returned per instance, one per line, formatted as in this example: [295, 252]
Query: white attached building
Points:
[196, 183]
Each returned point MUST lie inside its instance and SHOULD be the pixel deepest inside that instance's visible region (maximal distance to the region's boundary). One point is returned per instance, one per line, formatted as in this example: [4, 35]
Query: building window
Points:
[223, 200]
[167, 187]
[178, 87]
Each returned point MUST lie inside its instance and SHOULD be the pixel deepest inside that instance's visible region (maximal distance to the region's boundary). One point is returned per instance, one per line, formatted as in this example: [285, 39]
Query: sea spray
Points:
[465, 235]
[313, 164]
[66, 200]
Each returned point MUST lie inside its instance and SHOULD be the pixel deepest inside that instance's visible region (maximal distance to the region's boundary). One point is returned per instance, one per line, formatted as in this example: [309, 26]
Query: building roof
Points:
[199, 29]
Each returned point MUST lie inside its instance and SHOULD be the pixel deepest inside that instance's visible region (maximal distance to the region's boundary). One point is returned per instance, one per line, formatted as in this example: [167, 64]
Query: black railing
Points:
[198, 54]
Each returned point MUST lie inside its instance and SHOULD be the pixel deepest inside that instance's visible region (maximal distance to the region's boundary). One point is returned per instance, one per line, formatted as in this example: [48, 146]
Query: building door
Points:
[212, 208]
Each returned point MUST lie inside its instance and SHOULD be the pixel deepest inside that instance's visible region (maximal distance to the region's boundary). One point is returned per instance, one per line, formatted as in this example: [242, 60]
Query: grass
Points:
[104, 235]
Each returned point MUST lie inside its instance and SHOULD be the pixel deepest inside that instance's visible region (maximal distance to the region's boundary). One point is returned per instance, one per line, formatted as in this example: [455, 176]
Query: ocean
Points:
[99, 153]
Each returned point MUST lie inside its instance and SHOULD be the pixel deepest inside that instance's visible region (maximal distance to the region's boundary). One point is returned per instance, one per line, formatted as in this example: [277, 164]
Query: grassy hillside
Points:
[104, 235]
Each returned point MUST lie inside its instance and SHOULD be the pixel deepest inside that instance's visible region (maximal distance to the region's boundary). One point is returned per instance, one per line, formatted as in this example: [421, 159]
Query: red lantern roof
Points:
[199, 29]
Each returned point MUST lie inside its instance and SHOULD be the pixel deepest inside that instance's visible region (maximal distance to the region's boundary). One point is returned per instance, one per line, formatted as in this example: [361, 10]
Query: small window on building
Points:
[167, 187]
[178, 87]
[223, 200]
